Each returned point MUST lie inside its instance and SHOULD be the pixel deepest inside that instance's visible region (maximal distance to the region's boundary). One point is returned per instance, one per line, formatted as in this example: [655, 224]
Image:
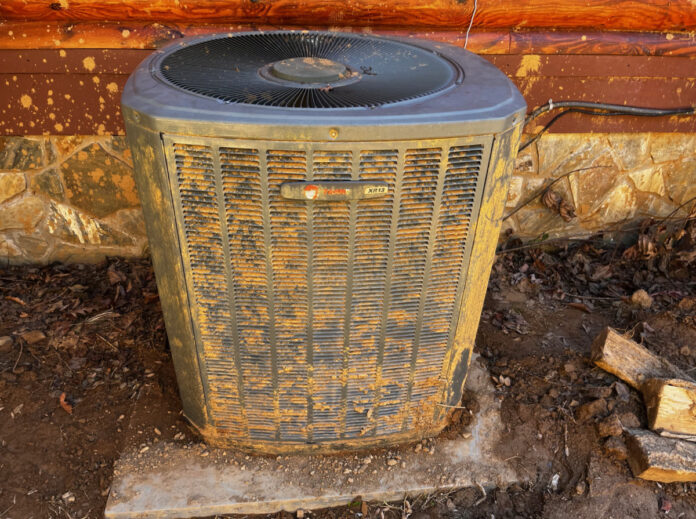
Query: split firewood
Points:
[661, 459]
[630, 361]
[671, 406]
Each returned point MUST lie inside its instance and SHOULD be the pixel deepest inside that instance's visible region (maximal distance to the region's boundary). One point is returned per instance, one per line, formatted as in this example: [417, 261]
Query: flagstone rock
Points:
[11, 184]
[97, 182]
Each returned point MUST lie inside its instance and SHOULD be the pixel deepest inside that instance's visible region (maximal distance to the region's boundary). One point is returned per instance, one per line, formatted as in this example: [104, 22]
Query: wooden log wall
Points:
[62, 68]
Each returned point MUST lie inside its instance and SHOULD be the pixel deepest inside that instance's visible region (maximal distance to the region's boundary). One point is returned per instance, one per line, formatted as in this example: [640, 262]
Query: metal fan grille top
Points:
[307, 70]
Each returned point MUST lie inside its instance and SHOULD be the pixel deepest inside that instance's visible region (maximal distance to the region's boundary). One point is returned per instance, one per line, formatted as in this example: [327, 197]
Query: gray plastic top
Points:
[474, 98]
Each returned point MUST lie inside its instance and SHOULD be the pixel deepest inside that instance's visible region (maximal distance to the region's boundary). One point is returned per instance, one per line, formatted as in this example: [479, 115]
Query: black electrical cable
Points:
[602, 109]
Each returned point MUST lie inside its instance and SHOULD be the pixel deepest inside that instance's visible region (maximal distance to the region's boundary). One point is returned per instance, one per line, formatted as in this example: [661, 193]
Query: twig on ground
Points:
[483, 498]
[21, 349]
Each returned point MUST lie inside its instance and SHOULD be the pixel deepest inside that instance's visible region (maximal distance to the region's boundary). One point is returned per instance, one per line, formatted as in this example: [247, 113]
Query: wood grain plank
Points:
[61, 104]
[124, 61]
[663, 43]
[655, 15]
[141, 35]
[71, 61]
[144, 35]
[534, 65]
[84, 113]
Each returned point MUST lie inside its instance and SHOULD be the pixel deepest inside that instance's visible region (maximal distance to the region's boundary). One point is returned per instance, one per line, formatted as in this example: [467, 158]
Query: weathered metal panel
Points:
[324, 322]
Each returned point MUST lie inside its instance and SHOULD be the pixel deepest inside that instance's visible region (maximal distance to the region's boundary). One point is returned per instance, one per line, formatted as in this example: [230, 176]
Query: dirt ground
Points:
[85, 339]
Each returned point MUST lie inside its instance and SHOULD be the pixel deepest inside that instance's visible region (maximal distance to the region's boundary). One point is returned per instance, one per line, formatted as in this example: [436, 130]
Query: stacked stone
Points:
[68, 199]
[73, 199]
[639, 175]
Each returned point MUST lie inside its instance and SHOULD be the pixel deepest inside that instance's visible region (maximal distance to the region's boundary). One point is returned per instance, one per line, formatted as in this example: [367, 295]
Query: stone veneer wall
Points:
[73, 199]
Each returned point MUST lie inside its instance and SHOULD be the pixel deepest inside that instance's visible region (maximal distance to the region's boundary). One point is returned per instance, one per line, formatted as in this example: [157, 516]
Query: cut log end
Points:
[655, 458]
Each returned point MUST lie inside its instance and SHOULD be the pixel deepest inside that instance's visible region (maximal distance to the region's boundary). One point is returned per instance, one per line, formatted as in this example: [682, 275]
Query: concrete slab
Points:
[176, 480]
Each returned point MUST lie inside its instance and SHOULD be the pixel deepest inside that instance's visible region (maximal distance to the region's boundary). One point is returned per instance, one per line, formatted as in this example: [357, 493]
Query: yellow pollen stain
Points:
[125, 33]
[51, 116]
[49, 100]
[89, 63]
[530, 63]
[62, 53]
[95, 79]
[669, 36]
[112, 87]
[25, 100]
[58, 127]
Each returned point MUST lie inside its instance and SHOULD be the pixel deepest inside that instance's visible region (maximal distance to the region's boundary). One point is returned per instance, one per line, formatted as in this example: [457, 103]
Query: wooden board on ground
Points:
[671, 405]
[661, 459]
[630, 361]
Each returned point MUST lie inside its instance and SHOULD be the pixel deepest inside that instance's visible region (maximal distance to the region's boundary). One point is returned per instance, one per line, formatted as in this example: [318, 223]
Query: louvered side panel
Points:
[195, 174]
[373, 223]
[243, 199]
[289, 252]
[329, 284]
[453, 226]
[418, 191]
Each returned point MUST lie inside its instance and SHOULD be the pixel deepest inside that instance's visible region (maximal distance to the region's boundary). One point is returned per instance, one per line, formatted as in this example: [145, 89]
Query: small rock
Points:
[616, 448]
[391, 462]
[418, 447]
[685, 350]
[300, 514]
[9, 377]
[642, 299]
[599, 392]
[569, 367]
[68, 497]
[33, 336]
[5, 344]
[610, 426]
[622, 391]
[554, 482]
[629, 420]
[591, 409]
[580, 487]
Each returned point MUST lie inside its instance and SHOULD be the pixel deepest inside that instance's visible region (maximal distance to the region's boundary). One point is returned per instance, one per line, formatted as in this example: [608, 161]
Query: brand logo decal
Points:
[311, 192]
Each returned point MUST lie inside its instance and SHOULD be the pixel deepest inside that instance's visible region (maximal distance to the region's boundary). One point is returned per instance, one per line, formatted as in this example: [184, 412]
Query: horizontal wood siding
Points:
[77, 91]
[653, 15]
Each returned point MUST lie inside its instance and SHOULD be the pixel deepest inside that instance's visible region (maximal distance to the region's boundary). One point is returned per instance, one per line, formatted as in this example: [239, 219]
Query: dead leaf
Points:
[33, 336]
[601, 272]
[64, 403]
[580, 306]
[15, 300]
[556, 203]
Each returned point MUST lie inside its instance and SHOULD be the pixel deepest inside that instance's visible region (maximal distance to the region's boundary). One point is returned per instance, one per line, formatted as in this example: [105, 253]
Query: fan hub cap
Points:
[309, 70]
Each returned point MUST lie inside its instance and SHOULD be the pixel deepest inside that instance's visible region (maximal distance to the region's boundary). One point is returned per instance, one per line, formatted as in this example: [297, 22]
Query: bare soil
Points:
[67, 390]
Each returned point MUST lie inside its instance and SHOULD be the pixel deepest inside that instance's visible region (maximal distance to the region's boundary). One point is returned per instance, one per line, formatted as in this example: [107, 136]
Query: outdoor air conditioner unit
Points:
[323, 211]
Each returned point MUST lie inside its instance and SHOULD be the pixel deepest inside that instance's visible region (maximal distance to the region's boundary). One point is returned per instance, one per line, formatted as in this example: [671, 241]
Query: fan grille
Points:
[229, 69]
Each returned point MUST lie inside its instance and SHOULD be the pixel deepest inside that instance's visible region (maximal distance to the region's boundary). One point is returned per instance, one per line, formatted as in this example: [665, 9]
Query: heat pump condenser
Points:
[322, 210]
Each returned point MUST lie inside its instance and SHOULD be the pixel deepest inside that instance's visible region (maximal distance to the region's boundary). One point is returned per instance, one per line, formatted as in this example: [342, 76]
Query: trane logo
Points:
[311, 192]
[333, 190]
